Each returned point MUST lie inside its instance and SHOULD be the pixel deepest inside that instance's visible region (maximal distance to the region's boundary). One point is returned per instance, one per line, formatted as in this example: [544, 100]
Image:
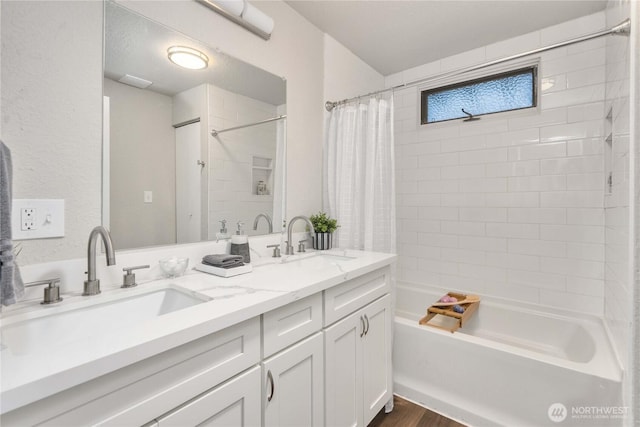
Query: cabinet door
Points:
[294, 384]
[376, 357]
[235, 403]
[343, 375]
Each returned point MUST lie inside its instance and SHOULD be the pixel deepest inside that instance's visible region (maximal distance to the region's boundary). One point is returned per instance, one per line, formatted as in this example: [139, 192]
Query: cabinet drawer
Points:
[291, 323]
[143, 391]
[344, 299]
[234, 403]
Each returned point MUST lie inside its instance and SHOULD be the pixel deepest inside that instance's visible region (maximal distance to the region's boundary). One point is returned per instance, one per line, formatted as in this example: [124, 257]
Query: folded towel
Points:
[11, 285]
[223, 260]
[224, 272]
[227, 265]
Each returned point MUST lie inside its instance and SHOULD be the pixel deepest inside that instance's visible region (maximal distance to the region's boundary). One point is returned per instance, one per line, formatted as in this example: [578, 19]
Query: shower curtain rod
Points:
[621, 29]
[273, 119]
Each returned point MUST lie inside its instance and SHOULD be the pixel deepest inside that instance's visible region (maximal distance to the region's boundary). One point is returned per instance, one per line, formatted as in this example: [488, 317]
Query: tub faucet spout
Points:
[92, 285]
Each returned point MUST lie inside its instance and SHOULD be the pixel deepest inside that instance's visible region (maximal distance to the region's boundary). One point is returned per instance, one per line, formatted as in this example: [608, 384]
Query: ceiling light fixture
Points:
[187, 57]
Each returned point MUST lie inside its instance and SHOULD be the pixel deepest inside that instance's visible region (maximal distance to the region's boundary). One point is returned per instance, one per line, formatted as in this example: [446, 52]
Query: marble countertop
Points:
[274, 282]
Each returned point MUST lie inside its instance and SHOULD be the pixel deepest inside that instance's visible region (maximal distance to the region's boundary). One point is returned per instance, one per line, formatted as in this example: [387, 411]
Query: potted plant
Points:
[323, 226]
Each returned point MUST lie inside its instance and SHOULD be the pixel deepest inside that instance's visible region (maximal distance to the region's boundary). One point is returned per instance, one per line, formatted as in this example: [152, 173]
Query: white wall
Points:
[511, 205]
[143, 158]
[52, 101]
[346, 75]
[51, 113]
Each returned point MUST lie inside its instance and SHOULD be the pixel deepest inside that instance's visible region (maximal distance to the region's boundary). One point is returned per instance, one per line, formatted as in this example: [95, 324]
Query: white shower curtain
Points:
[359, 175]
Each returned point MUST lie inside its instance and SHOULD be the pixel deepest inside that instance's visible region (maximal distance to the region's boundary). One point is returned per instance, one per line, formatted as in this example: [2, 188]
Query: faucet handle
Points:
[301, 246]
[51, 293]
[288, 248]
[276, 250]
[129, 279]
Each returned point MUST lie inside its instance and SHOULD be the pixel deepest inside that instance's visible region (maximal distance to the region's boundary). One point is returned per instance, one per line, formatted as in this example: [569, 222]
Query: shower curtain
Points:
[359, 174]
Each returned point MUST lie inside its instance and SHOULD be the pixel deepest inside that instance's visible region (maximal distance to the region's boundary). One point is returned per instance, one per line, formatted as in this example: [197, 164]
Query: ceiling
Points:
[392, 36]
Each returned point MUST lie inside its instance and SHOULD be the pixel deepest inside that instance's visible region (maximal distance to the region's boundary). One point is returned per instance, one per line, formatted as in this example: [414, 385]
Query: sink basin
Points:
[61, 328]
[335, 258]
[321, 260]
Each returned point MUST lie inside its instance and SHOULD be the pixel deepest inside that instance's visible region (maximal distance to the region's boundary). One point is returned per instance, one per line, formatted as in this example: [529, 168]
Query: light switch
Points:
[37, 218]
[148, 196]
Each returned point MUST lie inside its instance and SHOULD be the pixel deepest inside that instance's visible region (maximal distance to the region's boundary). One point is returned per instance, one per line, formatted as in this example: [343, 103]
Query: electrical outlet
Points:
[28, 219]
[37, 218]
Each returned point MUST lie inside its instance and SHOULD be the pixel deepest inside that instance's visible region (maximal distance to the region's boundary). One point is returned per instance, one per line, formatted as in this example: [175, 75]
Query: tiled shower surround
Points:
[232, 192]
[618, 295]
[511, 205]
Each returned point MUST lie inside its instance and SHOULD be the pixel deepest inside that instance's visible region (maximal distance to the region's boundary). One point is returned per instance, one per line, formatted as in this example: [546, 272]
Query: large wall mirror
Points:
[166, 178]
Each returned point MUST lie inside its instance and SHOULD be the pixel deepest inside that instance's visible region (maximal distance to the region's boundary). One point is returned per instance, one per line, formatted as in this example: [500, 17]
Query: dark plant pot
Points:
[322, 241]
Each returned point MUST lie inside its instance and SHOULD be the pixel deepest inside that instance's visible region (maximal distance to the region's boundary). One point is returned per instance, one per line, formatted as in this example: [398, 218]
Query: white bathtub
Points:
[507, 365]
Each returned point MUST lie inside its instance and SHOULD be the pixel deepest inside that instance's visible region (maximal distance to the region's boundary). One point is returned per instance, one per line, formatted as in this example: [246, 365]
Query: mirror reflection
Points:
[166, 178]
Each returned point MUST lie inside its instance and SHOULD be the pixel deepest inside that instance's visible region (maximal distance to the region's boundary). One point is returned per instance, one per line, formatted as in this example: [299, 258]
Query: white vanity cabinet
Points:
[291, 323]
[358, 380]
[294, 385]
[234, 403]
[144, 391]
[321, 360]
[293, 375]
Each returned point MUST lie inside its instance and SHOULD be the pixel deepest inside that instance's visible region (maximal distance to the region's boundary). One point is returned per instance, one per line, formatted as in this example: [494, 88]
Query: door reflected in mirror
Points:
[166, 178]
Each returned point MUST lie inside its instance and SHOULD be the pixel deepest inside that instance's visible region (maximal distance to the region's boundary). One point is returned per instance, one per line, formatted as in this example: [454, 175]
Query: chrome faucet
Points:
[92, 285]
[267, 218]
[289, 250]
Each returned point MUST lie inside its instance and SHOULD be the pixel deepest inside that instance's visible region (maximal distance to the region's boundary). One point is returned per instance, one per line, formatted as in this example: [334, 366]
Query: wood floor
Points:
[407, 414]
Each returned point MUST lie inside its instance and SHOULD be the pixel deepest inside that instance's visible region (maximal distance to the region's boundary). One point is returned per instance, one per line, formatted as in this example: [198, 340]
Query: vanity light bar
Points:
[211, 4]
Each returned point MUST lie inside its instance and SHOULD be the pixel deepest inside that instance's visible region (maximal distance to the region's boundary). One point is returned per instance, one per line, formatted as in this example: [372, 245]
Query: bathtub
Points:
[509, 365]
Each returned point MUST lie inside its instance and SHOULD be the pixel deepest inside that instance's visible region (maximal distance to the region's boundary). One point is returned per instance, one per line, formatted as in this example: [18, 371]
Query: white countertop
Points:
[29, 377]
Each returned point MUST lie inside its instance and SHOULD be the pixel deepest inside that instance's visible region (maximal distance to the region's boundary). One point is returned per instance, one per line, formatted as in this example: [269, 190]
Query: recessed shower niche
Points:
[261, 178]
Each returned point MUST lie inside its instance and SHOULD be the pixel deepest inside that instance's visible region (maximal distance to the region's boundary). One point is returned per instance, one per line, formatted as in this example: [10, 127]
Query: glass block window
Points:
[509, 91]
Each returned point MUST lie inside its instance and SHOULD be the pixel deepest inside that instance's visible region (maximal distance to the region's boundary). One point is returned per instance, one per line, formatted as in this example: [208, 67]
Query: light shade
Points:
[187, 57]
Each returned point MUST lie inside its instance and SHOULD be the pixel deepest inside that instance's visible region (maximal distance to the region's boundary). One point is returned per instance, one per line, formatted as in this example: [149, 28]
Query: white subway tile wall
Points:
[618, 270]
[511, 205]
[232, 190]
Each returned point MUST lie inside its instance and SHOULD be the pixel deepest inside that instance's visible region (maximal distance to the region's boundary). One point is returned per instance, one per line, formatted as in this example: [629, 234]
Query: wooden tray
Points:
[460, 318]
